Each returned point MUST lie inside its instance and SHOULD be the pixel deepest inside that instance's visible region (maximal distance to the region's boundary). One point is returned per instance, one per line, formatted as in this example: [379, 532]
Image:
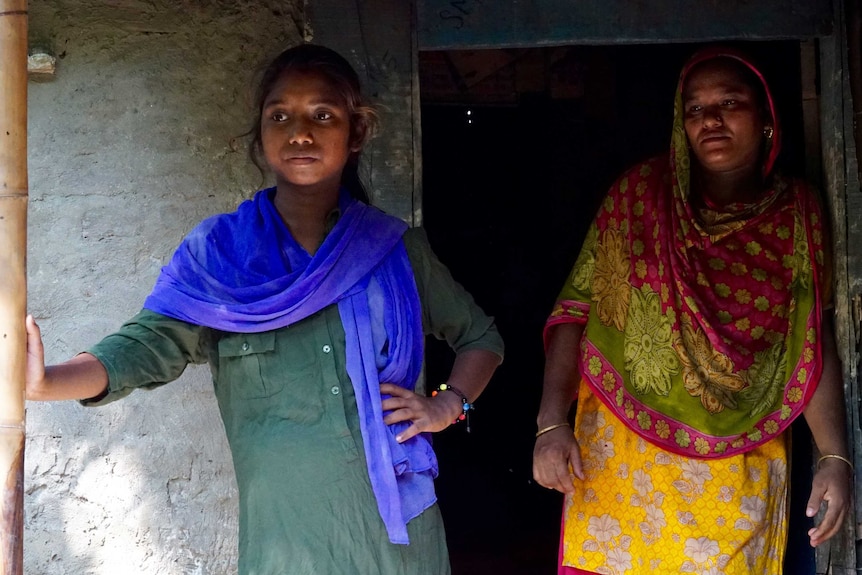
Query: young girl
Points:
[311, 309]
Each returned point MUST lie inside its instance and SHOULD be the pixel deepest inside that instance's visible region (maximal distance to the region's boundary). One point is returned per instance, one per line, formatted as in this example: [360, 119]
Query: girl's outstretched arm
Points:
[471, 372]
[81, 377]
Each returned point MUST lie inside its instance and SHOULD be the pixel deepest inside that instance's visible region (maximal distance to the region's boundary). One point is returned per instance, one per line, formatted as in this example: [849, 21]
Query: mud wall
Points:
[131, 143]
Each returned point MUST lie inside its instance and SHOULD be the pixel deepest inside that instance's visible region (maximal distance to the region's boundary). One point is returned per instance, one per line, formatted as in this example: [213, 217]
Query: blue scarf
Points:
[244, 272]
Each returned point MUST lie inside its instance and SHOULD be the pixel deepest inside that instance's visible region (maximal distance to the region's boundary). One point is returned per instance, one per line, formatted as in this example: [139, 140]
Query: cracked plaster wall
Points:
[130, 145]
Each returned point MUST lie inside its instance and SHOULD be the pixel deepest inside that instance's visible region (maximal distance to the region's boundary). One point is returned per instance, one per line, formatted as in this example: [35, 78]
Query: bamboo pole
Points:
[13, 278]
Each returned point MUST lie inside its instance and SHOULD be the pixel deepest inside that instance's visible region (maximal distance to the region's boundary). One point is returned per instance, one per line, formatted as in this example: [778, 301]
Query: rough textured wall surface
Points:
[130, 145]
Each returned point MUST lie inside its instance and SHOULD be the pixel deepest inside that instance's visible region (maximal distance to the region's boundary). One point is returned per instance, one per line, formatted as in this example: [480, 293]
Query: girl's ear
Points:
[359, 132]
[363, 127]
[358, 136]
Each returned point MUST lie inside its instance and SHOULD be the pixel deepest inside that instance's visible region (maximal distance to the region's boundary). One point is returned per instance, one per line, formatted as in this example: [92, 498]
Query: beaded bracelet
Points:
[466, 406]
[833, 456]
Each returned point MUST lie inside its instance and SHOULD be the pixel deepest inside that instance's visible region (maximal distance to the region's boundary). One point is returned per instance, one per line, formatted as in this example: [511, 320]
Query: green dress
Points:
[306, 505]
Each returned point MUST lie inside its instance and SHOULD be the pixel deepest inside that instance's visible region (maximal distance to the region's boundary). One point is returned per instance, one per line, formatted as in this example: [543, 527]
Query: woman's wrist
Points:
[833, 459]
[549, 428]
[551, 418]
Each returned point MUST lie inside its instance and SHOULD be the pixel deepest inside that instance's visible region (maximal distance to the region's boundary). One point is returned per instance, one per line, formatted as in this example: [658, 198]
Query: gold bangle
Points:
[545, 430]
[833, 456]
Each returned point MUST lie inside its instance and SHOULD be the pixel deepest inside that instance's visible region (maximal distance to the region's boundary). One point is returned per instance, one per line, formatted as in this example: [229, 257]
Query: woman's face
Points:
[724, 117]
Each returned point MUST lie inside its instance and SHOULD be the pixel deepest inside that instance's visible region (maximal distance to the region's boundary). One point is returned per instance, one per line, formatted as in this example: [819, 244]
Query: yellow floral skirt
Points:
[644, 509]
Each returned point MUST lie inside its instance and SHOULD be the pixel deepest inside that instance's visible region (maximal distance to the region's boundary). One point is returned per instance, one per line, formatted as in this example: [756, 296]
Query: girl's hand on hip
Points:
[831, 485]
[557, 460]
[426, 413]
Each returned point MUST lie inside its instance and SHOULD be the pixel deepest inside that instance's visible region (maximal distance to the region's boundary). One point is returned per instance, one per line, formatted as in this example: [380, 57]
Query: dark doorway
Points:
[519, 146]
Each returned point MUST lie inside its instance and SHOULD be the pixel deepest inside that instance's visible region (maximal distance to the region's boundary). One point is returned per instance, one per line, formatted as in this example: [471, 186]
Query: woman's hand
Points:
[825, 415]
[831, 485]
[427, 413]
[35, 373]
[557, 460]
[557, 455]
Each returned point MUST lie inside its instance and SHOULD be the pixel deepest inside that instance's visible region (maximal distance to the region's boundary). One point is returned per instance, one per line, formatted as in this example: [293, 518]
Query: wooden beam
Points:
[13, 280]
[378, 38]
[838, 556]
[459, 24]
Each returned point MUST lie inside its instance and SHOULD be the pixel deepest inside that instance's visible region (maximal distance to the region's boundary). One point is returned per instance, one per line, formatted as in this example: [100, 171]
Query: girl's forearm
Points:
[81, 377]
[472, 371]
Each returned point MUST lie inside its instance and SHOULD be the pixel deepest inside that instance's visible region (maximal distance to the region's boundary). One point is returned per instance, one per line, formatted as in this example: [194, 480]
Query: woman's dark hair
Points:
[342, 76]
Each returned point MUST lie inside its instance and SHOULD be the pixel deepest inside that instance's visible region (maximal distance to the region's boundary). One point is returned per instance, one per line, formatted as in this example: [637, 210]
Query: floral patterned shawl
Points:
[702, 325]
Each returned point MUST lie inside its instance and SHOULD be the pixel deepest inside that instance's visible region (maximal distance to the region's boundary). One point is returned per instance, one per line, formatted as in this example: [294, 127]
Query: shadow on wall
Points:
[119, 500]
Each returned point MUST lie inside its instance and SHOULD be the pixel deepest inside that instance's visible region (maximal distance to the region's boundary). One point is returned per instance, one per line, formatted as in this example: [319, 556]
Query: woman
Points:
[694, 328]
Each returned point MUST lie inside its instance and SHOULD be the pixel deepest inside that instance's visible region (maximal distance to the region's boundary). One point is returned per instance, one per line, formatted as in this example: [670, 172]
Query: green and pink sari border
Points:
[675, 436]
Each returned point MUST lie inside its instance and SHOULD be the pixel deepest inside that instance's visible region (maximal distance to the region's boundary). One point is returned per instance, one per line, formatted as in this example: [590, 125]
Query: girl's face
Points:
[306, 132]
[723, 118]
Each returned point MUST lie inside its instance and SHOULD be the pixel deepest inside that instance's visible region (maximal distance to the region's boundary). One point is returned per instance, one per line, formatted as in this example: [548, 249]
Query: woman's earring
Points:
[768, 131]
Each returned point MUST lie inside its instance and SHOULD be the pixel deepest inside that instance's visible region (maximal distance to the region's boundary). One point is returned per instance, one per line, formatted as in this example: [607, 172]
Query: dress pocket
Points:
[243, 361]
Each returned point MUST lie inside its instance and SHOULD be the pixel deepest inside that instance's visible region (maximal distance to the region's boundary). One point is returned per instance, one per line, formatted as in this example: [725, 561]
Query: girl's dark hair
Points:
[342, 76]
